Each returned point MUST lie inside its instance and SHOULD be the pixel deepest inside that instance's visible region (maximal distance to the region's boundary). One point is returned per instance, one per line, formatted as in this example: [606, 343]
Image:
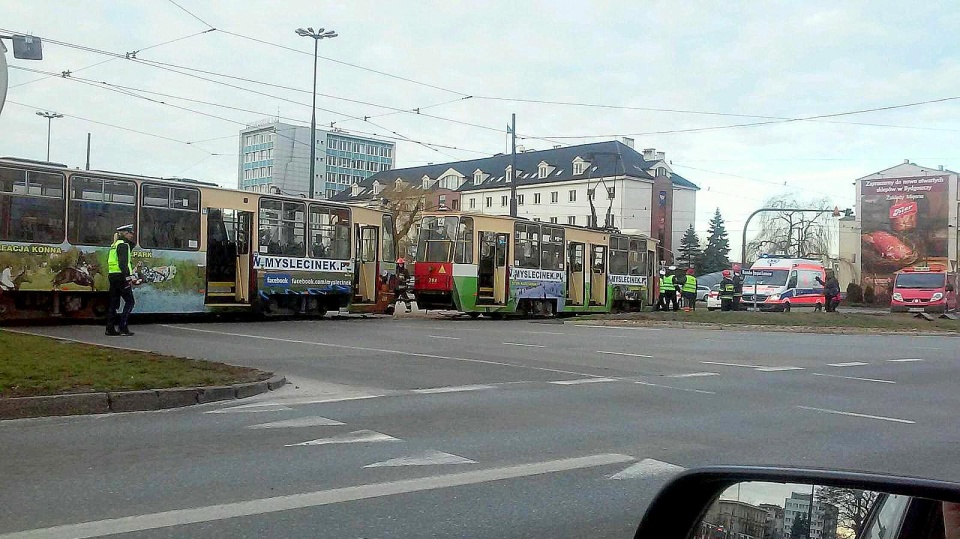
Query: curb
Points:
[770, 327]
[130, 401]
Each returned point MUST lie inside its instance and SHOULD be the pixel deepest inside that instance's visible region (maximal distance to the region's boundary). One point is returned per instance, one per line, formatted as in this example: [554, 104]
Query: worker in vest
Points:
[670, 288]
[661, 292]
[689, 289]
[726, 291]
[121, 278]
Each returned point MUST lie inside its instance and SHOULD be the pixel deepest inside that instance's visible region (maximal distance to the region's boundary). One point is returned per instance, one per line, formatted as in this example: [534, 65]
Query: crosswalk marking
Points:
[452, 389]
[359, 436]
[622, 354]
[855, 378]
[524, 344]
[694, 375]
[647, 468]
[427, 458]
[903, 360]
[848, 364]
[583, 381]
[310, 421]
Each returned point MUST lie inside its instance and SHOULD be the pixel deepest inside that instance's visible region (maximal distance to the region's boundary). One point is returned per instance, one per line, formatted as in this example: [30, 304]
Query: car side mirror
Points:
[738, 502]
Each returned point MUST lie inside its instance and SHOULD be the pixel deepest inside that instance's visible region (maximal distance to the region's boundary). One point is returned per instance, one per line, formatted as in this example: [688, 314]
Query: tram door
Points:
[492, 269]
[228, 256]
[365, 272]
[598, 274]
[575, 275]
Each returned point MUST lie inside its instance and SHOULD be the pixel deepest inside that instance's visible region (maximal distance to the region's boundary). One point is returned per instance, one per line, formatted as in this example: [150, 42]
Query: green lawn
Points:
[31, 365]
[824, 320]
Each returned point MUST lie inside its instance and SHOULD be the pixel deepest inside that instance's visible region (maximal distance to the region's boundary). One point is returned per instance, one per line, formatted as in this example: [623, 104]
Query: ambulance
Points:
[783, 284]
[924, 289]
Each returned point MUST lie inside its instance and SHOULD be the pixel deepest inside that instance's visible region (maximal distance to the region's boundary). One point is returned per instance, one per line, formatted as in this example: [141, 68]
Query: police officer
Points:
[737, 286]
[120, 275]
[726, 291]
[670, 286]
[403, 276]
[689, 289]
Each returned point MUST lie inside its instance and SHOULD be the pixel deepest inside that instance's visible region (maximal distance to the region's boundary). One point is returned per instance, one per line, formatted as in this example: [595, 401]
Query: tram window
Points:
[638, 257]
[389, 240]
[464, 252]
[368, 244]
[619, 255]
[437, 237]
[551, 251]
[281, 227]
[329, 232]
[169, 218]
[31, 206]
[598, 264]
[527, 240]
[97, 207]
[576, 257]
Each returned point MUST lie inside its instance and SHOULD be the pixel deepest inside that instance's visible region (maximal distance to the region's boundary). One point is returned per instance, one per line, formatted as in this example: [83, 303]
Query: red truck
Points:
[924, 290]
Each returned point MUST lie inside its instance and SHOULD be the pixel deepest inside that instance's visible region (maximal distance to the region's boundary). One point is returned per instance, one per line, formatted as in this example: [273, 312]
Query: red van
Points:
[924, 290]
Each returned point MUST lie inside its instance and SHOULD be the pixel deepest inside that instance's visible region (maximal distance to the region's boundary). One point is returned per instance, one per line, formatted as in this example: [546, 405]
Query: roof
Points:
[610, 158]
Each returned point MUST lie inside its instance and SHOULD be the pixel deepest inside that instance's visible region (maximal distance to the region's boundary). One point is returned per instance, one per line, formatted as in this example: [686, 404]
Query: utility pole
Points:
[88, 151]
[316, 36]
[49, 116]
[513, 165]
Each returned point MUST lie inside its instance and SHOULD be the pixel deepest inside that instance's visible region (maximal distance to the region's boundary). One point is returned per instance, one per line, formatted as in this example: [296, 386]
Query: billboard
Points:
[903, 223]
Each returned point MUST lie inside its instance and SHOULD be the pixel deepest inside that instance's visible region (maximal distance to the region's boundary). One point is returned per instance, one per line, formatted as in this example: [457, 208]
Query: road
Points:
[424, 427]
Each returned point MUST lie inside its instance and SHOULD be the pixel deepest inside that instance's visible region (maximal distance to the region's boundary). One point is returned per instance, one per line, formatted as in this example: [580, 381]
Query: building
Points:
[635, 192]
[773, 525]
[906, 215]
[823, 520]
[733, 519]
[277, 155]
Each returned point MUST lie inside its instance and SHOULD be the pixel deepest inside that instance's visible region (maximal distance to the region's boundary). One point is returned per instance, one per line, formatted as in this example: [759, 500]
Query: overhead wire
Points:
[185, 10]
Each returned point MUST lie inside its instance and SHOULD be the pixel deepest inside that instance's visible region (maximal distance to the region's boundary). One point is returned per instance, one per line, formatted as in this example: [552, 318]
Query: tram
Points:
[199, 248]
[498, 265]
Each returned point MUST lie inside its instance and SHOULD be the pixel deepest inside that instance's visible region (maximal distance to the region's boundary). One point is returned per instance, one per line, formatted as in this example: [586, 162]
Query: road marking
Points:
[854, 378]
[694, 375]
[542, 333]
[759, 368]
[647, 468]
[211, 513]
[452, 389]
[355, 437]
[443, 337]
[731, 364]
[524, 344]
[427, 458]
[677, 388]
[385, 351]
[614, 327]
[316, 400]
[778, 369]
[622, 354]
[251, 409]
[310, 421]
[852, 414]
[583, 381]
[903, 360]
[848, 364]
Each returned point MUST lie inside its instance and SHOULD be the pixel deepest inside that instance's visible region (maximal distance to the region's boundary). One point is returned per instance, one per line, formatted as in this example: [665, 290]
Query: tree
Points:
[406, 202]
[852, 505]
[791, 233]
[800, 528]
[715, 256]
[691, 255]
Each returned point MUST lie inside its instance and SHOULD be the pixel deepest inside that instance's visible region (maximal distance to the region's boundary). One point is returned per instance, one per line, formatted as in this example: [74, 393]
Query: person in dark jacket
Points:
[737, 286]
[403, 276]
[831, 292]
[726, 291]
[120, 275]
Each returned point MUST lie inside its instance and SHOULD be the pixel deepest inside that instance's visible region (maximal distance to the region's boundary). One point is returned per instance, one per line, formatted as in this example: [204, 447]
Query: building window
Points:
[578, 167]
[489, 202]
[358, 164]
[442, 200]
[455, 204]
[542, 171]
[450, 181]
[611, 192]
[571, 219]
[554, 197]
[503, 200]
[573, 195]
[519, 200]
[425, 183]
[536, 198]
[384, 166]
[553, 219]
[477, 178]
[473, 203]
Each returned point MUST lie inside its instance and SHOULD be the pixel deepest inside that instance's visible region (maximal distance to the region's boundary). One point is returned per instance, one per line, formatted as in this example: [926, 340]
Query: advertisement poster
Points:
[628, 287]
[903, 223]
[280, 275]
[537, 284]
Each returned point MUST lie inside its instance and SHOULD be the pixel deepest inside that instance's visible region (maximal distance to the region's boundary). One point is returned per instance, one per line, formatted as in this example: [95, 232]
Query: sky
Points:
[672, 75]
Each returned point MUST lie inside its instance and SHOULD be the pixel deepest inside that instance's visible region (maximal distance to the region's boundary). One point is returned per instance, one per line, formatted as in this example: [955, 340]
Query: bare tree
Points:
[406, 202]
[852, 507]
[797, 234]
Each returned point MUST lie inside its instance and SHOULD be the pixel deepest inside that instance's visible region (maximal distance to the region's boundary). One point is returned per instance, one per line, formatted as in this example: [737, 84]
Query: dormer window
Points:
[355, 190]
[507, 175]
[377, 188]
[398, 185]
[450, 181]
[579, 166]
[477, 177]
[425, 182]
[662, 171]
[543, 170]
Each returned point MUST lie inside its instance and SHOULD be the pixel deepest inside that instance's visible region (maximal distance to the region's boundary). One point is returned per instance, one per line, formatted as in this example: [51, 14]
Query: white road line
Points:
[854, 378]
[778, 369]
[299, 422]
[317, 400]
[622, 354]
[250, 409]
[583, 381]
[524, 344]
[452, 389]
[904, 360]
[152, 521]
[542, 333]
[355, 437]
[730, 364]
[759, 368]
[443, 337]
[427, 458]
[615, 327]
[647, 468]
[852, 414]
[677, 388]
[848, 364]
[385, 351]
[79, 341]
[694, 375]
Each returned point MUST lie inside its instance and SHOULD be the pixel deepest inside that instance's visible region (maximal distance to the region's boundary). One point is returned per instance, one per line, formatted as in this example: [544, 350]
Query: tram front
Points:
[433, 271]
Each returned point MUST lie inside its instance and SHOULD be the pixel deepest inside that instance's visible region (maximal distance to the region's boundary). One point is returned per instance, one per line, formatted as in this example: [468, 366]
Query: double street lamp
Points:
[49, 116]
[317, 36]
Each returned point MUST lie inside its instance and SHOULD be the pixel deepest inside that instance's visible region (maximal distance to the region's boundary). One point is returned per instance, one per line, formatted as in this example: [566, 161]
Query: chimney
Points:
[556, 146]
[649, 154]
[520, 148]
[661, 156]
[906, 161]
[628, 142]
[940, 167]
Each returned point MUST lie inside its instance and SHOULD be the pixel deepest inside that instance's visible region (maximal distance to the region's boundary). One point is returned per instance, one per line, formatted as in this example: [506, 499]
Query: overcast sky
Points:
[770, 59]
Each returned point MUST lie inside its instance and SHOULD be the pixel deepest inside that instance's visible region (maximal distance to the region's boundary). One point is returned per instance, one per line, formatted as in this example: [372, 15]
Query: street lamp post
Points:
[317, 36]
[49, 116]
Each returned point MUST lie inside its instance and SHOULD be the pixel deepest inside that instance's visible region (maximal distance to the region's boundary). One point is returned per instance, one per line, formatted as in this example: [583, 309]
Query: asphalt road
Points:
[418, 427]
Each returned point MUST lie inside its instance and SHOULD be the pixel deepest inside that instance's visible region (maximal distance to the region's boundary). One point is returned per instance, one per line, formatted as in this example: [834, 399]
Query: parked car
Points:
[702, 292]
[713, 298]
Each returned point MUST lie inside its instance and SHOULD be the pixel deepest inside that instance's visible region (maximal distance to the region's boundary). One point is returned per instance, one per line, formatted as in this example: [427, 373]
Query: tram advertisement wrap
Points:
[280, 275]
[629, 287]
[904, 223]
[537, 284]
[173, 281]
